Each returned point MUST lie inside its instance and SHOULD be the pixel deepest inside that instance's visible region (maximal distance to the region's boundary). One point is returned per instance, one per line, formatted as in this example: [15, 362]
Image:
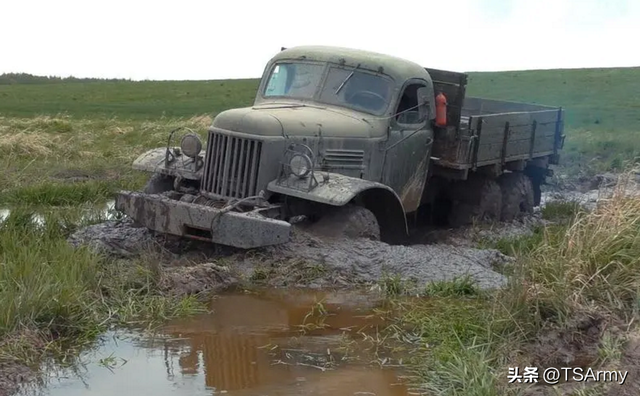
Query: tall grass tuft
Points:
[44, 282]
[594, 263]
[587, 267]
[52, 294]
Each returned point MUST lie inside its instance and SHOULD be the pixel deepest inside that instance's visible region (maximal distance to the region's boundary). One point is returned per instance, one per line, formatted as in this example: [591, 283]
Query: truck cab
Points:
[361, 115]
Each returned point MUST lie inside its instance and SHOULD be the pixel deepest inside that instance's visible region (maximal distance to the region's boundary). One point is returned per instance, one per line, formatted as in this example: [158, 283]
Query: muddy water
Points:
[252, 344]
[101, 212]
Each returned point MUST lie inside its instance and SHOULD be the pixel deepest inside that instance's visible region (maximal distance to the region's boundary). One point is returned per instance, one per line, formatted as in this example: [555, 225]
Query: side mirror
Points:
[425, 103]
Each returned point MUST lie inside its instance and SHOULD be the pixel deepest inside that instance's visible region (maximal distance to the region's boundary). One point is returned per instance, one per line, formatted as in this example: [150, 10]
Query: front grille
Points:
[231, 166]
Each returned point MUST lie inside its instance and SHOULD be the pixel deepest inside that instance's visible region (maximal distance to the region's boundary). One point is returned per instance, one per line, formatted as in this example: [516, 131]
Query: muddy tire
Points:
[537, 176]
[158, 184]
[517, 195]
[349, 221]
[475, 200]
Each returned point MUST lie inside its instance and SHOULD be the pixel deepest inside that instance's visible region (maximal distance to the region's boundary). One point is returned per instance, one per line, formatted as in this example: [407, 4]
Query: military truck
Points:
[348, 141]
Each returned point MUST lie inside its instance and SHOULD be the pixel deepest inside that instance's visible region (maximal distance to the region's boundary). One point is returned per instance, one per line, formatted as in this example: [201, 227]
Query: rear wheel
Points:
[537, 176]
[159, 183]
[350, 221]
[517, 195]
[477, 199]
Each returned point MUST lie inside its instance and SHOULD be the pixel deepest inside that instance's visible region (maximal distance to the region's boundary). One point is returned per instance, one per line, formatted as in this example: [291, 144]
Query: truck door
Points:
[408, 149]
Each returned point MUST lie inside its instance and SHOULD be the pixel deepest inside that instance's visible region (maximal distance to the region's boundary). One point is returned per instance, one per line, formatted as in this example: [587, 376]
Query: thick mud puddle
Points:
[273, 343]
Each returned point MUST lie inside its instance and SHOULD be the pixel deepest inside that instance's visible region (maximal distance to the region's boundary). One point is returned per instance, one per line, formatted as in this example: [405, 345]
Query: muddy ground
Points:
[312, 261]
[306, 261]
[12, 376]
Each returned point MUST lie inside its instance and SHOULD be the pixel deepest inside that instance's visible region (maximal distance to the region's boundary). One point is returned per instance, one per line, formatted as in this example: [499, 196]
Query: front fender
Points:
[339, 190]
[154, 161]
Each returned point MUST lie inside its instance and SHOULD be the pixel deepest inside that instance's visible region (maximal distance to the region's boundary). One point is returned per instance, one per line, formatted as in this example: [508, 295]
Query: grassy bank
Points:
[66, 161]
[55, 298]
[572, 300]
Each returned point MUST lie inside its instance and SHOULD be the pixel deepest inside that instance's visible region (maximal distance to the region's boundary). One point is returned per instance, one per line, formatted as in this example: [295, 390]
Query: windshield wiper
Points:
[347, 79]
[282, 106]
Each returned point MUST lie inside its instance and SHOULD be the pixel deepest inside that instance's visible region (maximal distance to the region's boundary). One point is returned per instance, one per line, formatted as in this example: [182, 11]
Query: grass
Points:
[596, 261]
[602, 109]
[582, 271]
[66, 161]
[55, 298]
[595, 99]
[561, 210]
[126, 100]
[602, 105]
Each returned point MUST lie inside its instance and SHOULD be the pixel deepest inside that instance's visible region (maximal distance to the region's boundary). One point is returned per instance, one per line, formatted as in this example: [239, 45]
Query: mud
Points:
[316, 260]
[306, 261]
[589, 191]
[630, 361]
[577, 346]
[473, 236]
[14, 376]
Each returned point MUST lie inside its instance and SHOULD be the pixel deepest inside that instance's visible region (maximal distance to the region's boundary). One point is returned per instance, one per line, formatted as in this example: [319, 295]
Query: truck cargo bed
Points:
[493, 132]
[484, 132]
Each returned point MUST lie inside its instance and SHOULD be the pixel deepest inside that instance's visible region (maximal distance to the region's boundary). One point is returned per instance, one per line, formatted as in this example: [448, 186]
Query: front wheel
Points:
[158, 183]
[350, 221]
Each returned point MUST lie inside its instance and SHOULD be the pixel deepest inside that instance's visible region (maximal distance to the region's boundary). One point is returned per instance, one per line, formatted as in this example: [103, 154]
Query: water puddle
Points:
[89, 214]
[252, 344]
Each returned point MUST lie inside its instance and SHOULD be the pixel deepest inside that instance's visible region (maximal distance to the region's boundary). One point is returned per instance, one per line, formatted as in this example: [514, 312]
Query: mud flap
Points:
[165, 215]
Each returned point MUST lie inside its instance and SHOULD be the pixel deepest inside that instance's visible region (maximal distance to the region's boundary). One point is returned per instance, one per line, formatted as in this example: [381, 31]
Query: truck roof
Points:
[398, 68]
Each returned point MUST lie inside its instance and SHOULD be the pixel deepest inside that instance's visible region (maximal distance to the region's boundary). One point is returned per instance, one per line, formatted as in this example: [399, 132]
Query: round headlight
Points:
[191, 145]
[300, 165]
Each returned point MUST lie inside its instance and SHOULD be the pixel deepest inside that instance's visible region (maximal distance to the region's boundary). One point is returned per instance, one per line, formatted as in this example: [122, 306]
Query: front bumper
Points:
[163, 214]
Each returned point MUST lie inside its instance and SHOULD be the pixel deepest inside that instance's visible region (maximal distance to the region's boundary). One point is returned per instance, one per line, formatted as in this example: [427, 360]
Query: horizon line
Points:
[259, 77]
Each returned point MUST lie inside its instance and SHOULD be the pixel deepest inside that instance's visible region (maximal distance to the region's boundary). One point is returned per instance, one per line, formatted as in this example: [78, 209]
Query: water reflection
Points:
[231, 340]
[4, 213]
[102, 212]
[232, 350]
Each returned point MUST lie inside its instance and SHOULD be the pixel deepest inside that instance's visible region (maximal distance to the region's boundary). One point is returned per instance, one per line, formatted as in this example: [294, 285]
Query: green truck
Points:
[347, 140]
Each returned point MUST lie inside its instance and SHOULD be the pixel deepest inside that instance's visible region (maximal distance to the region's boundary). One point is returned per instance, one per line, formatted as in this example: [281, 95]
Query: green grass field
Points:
[598, 99]
[602, 105]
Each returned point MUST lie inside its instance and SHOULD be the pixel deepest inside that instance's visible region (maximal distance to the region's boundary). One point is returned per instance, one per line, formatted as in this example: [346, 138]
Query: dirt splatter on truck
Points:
[348, 140]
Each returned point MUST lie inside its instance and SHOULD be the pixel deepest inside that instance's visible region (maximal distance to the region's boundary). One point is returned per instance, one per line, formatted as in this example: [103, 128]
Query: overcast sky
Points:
[191, 39]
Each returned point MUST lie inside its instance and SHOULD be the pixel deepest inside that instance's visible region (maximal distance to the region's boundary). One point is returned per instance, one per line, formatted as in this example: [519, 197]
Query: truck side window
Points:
[408, 112]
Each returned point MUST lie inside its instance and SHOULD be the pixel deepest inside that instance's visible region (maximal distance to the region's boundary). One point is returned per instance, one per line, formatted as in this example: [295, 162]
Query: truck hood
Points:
[298, 120]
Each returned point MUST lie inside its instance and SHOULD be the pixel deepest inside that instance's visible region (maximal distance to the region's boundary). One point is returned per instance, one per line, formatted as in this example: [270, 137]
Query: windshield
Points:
[348, 87]
[357, 89]
[294, 80]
